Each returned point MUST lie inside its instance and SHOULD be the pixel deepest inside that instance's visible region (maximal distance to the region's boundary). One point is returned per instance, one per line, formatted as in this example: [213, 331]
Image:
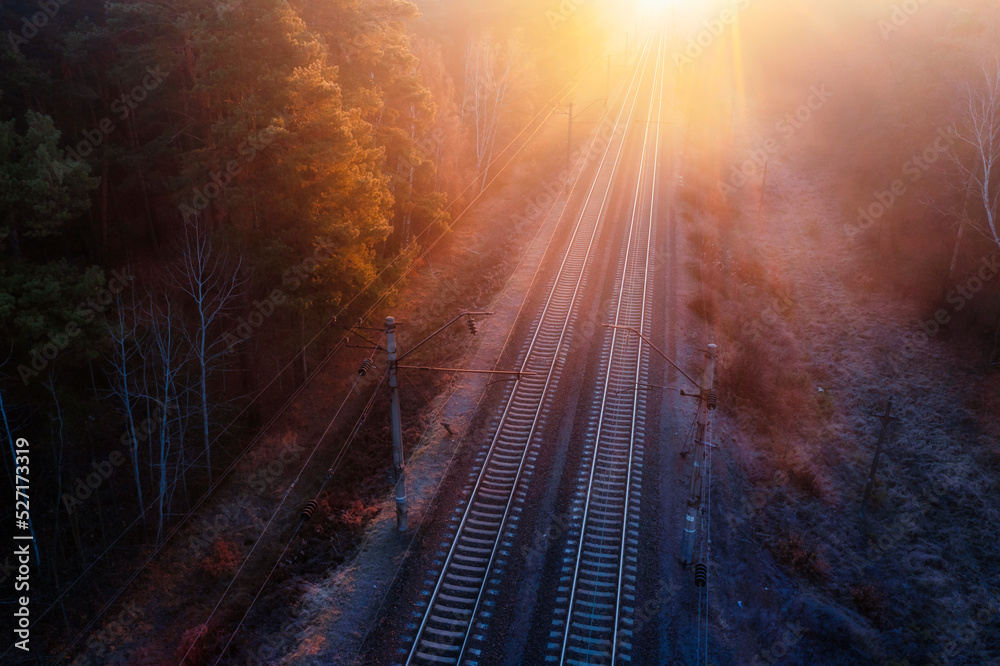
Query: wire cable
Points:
[506, 345]
[333, 470]
[177, 527]
[270, 520]
[562, 94]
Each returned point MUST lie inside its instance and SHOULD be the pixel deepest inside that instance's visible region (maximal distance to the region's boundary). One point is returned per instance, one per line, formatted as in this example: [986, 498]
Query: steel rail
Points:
[591, 629]
[443, 633]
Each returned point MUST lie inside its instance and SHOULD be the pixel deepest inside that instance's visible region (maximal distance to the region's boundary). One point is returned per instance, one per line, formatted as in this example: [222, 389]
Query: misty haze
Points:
[408, 333]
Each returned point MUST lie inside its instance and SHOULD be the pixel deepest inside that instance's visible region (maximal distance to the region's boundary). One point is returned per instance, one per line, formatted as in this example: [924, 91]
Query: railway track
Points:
[594, 613]
[455, 604]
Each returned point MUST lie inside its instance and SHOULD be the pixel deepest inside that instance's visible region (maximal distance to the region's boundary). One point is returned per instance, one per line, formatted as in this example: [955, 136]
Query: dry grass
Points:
[871, 602]
[803, 559]
[792, 317]
[704, 307]
[223, 559]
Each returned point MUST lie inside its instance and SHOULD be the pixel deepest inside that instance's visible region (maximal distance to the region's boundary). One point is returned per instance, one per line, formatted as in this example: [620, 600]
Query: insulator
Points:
[712, 400]
[472, 325]
[307, 512]
[366, 367]
[701, 574]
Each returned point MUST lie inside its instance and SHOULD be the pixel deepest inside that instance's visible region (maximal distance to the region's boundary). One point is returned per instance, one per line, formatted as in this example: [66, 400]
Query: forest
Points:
[195, 198]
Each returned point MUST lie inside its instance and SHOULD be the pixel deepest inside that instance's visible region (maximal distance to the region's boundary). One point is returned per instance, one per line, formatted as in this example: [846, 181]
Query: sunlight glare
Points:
[674, 8]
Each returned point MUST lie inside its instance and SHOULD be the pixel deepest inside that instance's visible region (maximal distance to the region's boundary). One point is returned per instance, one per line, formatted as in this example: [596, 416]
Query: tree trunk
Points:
[955, 253]
[203, 397]
[302, 345]
[995, 358]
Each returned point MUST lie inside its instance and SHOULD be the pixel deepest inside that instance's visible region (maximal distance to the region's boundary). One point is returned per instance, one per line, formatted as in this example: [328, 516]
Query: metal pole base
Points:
[401, 517]
[687, 538]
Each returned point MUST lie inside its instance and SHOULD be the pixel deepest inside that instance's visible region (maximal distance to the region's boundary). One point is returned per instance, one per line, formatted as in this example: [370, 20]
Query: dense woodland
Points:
[191, 192]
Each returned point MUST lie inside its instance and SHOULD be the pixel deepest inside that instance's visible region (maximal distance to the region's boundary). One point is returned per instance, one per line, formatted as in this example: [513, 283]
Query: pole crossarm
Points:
[657, 350]
[373, 347]
[580, 112]
[425, 340]
[650, 387]
[519, 373]
[395, 417]
[353, 330]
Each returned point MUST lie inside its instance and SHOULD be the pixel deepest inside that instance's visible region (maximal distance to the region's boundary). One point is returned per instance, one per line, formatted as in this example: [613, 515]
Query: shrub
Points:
[223, 559]
[745, 374]
[357, 514]
[793, 552]
[805, 478]
[197, 654]
[704, 306]
[870, 602]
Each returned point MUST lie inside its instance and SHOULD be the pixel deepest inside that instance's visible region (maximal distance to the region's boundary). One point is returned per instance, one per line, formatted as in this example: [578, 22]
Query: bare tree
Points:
[489, 75]
[212, 282]
[122, 326]
[165, 361]
[980, 130]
